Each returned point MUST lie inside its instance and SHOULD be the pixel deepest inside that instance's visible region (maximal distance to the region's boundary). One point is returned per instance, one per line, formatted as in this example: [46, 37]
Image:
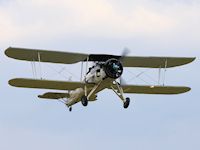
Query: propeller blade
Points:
[125, 52]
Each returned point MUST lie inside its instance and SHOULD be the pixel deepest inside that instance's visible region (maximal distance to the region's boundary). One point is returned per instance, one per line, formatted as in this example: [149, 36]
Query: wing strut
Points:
[86, 66]
[81, 71]
[34, 66]
[33, 69]
[165, 70]
[40, 67]
[159, 74]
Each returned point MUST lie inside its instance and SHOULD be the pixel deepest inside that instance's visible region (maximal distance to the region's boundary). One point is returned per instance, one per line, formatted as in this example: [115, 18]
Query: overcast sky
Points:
[146, 27]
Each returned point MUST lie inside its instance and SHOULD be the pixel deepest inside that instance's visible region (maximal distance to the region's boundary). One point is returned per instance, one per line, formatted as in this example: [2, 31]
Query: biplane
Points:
[102, 75]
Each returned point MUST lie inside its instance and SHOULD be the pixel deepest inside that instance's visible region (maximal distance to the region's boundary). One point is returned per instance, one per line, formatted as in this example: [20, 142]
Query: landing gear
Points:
[116, 87]
[127, 102]
[84, 101]
[70, 109]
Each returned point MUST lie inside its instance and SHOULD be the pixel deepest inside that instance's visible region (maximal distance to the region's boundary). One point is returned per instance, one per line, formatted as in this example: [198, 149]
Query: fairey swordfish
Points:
[104, 74]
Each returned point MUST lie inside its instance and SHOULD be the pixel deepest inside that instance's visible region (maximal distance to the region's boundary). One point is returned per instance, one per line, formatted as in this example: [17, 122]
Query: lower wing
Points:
[69, 85]
[45, 84]
[138, 89]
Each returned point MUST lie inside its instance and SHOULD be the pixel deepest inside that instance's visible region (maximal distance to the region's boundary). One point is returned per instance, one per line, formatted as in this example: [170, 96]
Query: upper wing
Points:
[45, 84]
[154, 89]
[69, 58]
[44, 55]
[156, 62]
[146, 62]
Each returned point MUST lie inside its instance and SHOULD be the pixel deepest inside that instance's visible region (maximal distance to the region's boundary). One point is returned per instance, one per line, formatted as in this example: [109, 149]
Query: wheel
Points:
[84, 101]
[127, 102]
[70, 109]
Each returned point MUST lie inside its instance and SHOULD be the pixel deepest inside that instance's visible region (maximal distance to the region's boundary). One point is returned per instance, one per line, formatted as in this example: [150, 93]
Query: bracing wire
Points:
[150, 77]
[144, 73]
[61, 72]
[35, 68]
[165, 70]
[138, 76]
[33, 72]
[40, 67]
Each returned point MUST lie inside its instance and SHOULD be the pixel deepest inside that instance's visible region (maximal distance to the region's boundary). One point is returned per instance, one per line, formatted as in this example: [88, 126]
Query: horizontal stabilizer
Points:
[138, 89]
[56, 96]
[53, 95]
[45, 84]
[70, 58]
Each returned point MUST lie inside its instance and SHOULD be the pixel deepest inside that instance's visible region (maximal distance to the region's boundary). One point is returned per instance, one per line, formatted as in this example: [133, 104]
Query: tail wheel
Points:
[127, 102]
[84, 101]
[70, 109]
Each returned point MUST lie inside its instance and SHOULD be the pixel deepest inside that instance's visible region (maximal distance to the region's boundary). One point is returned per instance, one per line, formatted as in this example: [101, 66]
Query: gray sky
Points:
[146, 27]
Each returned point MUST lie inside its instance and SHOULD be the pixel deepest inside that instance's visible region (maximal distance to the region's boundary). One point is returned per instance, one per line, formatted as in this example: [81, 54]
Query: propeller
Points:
[125, 52]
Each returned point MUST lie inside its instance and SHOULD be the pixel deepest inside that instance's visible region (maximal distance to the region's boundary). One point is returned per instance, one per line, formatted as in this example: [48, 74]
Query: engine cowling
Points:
[113, 68]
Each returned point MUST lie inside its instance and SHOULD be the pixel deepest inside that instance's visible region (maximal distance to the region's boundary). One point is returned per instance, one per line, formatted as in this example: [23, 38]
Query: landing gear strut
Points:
[119, 91]
[84, 101]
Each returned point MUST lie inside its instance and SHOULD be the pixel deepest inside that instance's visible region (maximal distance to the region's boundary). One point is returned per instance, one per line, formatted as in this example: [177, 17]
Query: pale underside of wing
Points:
[70, 58]
[139, 89]
[45, 84]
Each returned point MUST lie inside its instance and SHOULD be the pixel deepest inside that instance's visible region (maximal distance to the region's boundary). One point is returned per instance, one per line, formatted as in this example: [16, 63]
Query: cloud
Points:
[92, 18]
[146, 24]
[7, 28]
